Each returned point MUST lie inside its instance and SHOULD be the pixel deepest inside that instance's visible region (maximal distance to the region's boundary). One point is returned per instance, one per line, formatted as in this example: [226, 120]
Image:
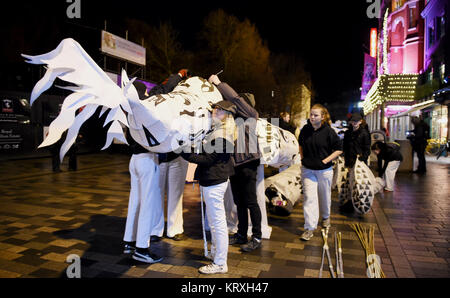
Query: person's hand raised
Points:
[213, 79]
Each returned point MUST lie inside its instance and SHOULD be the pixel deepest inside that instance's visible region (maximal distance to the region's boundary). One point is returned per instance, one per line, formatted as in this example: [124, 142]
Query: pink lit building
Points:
[406, 37]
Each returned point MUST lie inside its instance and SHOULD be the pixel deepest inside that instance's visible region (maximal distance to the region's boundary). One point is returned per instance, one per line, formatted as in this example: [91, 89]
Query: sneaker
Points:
[129, 247]
[307, 234]
[237, 239]
[252, 245]
[326, 223]
[178, 237]
[146, 257]
[213, 269]
[154, 238]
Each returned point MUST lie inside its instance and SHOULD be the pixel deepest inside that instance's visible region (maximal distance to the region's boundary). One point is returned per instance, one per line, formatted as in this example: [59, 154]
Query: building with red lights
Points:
[411, 72]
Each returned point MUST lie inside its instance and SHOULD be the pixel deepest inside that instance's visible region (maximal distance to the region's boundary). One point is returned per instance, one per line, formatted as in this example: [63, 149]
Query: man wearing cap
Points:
[246, 160]
[356, 141]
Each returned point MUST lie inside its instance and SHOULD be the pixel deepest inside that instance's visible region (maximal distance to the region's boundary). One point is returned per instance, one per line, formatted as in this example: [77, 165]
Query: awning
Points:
[413, 109]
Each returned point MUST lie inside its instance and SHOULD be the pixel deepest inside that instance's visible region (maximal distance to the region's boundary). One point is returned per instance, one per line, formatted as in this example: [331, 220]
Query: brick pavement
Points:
[45, 217]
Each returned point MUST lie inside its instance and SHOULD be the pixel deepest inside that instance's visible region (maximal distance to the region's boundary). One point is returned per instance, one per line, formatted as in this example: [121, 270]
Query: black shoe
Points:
[154, 238]
[129, 247]
[255, 243]
[178, 237]
[237, 239]
[144, 255]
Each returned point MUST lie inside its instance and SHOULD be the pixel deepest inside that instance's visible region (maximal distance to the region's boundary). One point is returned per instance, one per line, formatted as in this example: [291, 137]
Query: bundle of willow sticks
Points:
[366, 236]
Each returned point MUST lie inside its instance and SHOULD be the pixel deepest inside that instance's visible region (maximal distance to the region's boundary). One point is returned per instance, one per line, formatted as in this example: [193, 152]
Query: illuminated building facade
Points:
[411, 33]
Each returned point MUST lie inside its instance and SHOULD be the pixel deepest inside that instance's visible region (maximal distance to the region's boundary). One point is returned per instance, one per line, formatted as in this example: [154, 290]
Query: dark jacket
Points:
[388, 152]
[215, 167]
[421, 134]
[287, 126]
[318, 145]
[166, 87]
[356, 143]
[246, 146]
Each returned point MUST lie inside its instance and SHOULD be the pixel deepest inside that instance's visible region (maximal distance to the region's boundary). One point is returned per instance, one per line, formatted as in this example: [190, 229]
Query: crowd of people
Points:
[319, 146]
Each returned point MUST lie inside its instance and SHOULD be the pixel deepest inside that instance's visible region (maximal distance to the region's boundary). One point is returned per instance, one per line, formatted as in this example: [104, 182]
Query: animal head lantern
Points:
[160, 123]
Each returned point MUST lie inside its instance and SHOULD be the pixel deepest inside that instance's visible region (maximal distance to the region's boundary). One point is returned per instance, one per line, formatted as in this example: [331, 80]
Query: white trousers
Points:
[389, 174]
[215, 212]
[143, 205]
[316, 195]
[172, 178]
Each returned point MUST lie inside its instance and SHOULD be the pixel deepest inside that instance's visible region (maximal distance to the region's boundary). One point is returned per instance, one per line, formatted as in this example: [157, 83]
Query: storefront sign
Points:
[122, 48]
[373, 42]
[369, 75]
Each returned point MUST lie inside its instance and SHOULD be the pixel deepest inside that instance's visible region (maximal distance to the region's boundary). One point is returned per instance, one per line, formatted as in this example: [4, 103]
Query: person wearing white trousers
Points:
[215, 166]
[143, 206]
[319, 146]
[317, 195]
[389, 159]
[172, 178]
[215, 212]
[389, 174]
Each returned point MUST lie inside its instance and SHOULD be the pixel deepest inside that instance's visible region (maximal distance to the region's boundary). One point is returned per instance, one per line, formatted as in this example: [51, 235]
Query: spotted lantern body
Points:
[284, 190]
[160, 123]
[362, 183]
[341, 181]
[278, 147]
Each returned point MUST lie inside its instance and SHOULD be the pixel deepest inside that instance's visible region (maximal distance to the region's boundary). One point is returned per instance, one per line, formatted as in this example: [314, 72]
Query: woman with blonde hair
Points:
[319, 146]
[215, 166]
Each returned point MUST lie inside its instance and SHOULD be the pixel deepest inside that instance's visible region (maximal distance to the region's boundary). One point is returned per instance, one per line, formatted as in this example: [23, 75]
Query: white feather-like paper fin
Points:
[93, 87]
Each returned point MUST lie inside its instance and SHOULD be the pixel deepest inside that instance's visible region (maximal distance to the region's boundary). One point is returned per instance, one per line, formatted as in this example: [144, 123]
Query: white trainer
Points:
[213, 269]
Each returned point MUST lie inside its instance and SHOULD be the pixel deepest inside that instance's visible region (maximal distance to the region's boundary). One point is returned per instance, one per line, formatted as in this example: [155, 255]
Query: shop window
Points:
[442, 71]
[430, 37]
[412, 18]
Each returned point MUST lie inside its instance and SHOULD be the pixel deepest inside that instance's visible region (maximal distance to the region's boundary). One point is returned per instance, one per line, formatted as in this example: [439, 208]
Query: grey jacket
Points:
[246, 146]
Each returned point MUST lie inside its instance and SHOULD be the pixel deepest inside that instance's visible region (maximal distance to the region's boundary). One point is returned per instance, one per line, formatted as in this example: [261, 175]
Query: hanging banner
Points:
[121, 48]
[369, 76]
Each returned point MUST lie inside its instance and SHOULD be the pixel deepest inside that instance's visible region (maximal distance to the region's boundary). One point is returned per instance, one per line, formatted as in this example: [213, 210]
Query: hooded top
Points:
[318, 145]
[356, 143]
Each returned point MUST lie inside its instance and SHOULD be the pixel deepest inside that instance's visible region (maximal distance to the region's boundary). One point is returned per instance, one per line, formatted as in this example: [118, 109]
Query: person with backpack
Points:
[389, 158]
[246, 159]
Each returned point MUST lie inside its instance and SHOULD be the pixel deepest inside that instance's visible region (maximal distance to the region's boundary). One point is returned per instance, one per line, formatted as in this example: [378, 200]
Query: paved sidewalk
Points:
[45, 217]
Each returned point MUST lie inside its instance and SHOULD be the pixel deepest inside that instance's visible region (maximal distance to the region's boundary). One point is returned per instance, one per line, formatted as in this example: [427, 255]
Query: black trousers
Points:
[243, 186]
[56, 162]
[420, 150]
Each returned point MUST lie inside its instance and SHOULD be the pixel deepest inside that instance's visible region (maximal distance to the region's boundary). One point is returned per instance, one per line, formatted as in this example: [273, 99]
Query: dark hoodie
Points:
[388, 152]
[318, 145]
[356, 143]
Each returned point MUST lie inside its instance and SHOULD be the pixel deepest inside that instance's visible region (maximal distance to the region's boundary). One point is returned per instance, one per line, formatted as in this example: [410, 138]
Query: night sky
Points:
[328, 35]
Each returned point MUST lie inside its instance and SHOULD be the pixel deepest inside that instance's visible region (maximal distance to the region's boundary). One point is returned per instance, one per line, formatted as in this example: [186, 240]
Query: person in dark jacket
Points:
[246, 159]
[389, 158]
[421, 133]
[285, 122]
[319, 146]
[356, 141]
[215, 166]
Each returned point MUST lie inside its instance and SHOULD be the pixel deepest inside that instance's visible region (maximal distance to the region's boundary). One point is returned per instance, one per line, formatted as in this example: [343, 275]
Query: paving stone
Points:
[84, 213]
